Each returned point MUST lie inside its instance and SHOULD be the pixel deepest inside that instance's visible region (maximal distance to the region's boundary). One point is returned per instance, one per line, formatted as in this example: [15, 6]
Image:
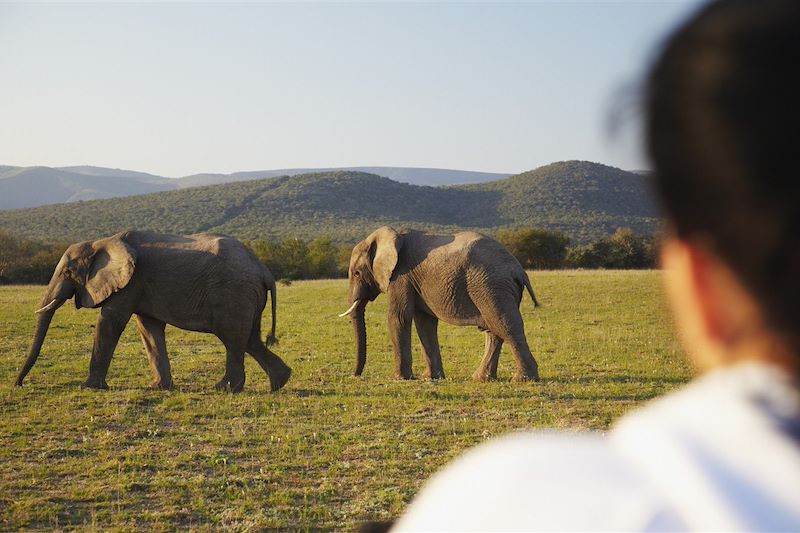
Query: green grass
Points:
[329, 450]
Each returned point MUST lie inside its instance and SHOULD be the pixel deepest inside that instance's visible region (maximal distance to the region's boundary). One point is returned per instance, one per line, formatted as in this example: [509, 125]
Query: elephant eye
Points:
[357, 273]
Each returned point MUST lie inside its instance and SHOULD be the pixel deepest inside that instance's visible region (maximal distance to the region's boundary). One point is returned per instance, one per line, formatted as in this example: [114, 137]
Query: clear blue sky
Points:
[181, 88]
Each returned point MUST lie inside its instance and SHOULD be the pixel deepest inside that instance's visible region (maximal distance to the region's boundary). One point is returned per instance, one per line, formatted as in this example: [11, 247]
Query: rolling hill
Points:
[585, 200]
[411, 175]
[33, 186]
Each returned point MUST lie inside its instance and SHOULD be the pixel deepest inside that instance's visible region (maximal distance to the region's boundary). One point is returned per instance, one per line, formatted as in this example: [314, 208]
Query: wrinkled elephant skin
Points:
[205, 283]
[465, 279]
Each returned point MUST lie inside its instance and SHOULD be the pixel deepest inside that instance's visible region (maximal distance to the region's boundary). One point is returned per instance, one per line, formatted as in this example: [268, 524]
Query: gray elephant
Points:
[205, 283]
[465, 279]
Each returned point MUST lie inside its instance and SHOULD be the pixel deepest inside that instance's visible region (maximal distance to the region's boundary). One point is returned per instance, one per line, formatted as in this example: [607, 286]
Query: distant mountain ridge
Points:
[33, 186]
[114, 173]
[411, 175]
[585, 200]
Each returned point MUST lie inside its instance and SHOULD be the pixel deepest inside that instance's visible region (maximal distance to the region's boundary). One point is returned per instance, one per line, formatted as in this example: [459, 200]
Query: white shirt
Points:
[722, 453]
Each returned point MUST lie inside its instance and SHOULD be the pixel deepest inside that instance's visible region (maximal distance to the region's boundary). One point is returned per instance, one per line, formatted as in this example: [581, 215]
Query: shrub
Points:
[624, 249]
[24, 261]
[535, 247]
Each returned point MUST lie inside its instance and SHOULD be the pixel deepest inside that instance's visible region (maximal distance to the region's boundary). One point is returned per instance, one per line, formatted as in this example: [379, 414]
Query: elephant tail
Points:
[530, 290]
[271, 338]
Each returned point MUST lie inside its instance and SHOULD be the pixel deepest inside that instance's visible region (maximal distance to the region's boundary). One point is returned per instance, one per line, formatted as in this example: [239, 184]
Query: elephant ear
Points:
[385, 245]
[111, 269]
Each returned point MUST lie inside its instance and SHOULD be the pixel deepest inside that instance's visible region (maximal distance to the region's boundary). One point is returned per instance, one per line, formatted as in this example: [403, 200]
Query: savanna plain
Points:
[330, 450]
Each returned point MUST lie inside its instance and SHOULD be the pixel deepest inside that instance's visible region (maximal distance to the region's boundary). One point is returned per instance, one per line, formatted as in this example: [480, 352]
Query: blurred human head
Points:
[723, 115]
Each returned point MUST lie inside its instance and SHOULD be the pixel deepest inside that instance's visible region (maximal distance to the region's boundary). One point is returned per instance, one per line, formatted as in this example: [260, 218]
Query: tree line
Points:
[26, 261]
[537, 248]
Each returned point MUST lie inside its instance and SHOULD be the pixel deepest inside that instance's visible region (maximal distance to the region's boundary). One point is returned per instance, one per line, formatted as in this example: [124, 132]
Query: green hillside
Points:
[585, 200]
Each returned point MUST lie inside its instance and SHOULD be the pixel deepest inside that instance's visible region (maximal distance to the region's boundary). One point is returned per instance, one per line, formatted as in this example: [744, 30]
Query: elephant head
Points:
[372, 264]
[89, 272]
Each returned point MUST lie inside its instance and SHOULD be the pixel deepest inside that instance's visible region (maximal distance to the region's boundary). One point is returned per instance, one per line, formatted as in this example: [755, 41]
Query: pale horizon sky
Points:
[182, 88]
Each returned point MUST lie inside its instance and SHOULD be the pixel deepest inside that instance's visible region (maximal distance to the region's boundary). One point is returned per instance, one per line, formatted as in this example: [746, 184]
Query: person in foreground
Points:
[723, 453]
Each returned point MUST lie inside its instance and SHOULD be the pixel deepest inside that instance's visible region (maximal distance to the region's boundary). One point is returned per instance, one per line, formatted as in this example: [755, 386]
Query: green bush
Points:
[25, 261]
[323, 258]
[292, 259]
[623, 250]
[535, 247]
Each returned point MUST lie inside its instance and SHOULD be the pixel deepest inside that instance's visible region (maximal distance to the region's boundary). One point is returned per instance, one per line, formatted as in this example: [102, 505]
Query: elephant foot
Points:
[278, 378]
[520, 376]
[97, 384]
[225, 385]
[157, 384]
[482, 376]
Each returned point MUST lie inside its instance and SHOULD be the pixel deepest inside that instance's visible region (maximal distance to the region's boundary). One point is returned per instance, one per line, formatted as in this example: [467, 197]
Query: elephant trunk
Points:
[360, 330]
[42, 324]
[58, 292]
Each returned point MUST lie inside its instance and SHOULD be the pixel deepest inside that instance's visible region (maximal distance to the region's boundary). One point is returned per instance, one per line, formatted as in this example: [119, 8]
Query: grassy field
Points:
[328, 451]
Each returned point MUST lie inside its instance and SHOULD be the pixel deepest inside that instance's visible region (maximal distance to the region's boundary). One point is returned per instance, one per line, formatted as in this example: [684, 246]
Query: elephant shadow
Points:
[306, 393]
[617, 379]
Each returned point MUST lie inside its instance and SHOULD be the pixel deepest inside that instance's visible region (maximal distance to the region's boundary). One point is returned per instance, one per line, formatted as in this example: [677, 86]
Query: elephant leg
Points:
[488, 368]
[233, 380]
[152, 333]
[427, 330]
[401, 313]
[277, 371]
[110, 325]
[401, 343]
[503, 319]
[526, 364]
[400, 332]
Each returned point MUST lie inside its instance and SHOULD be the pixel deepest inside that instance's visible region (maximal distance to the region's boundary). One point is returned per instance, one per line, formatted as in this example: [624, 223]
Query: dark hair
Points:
[722, 123]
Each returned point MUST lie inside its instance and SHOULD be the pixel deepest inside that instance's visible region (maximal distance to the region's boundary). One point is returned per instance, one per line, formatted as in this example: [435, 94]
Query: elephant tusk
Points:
[355, 304]
[49, 306]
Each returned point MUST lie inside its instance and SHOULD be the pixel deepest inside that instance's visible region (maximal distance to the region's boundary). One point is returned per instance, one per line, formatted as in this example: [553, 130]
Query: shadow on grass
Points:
[616, 397]
[616, 379]
[305, 393]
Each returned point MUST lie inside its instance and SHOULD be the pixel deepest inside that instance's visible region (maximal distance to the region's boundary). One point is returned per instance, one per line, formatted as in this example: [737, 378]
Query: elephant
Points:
[466, 279]
[202, 282]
